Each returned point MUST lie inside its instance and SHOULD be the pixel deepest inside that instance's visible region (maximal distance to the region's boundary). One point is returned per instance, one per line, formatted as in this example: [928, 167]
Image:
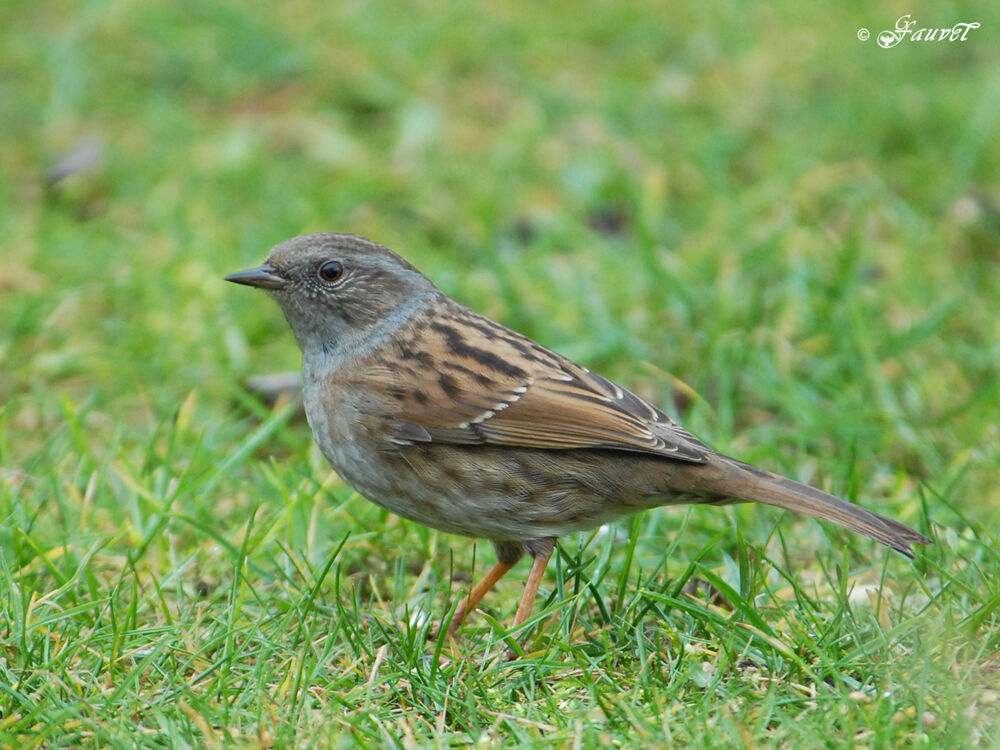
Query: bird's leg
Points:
[498, 571]
[540, 551]
[508, 553]
[538, 563]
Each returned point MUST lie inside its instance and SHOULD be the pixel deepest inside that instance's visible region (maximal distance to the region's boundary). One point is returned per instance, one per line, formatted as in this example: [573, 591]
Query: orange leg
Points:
[498, 571]
[538, 564]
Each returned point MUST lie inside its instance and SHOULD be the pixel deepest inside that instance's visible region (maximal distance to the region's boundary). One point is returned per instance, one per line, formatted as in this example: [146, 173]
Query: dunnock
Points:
[449, 419]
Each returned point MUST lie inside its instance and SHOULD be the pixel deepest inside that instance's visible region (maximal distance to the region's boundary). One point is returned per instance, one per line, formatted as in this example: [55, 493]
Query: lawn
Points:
[787, 237]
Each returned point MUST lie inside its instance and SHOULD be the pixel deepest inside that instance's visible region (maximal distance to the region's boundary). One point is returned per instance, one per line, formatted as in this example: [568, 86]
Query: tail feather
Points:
[748, 482]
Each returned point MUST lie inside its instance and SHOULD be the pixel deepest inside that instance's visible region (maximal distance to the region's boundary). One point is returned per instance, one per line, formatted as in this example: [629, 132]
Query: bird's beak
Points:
[265, 277]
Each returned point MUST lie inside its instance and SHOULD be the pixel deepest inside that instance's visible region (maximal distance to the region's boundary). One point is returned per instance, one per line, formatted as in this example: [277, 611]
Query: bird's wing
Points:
[463, 379]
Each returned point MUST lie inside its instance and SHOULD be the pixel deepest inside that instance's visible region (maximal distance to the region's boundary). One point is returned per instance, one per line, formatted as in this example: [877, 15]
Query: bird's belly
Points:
[493, 492]
[497, 493]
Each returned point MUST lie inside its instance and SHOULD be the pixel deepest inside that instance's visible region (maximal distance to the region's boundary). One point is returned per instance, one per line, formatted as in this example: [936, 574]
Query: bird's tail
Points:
[746, 482]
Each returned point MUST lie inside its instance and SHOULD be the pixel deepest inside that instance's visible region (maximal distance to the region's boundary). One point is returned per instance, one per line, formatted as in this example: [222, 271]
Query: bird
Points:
[452, 420]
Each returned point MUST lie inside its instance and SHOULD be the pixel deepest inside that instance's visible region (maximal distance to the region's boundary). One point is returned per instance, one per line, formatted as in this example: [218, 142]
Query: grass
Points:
[787, 237]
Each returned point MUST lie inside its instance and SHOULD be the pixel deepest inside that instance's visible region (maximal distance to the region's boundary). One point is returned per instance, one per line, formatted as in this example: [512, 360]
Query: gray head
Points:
[339, 292]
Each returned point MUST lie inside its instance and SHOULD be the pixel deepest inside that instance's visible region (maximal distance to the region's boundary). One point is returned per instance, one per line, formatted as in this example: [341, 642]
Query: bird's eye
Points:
[331, 271]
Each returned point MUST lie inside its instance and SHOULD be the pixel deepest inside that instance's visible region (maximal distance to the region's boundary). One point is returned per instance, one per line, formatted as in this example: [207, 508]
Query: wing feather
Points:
[461, 378]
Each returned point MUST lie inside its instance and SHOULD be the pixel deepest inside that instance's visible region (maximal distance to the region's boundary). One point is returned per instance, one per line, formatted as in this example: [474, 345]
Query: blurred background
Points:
[785, 235]
[744, 200]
